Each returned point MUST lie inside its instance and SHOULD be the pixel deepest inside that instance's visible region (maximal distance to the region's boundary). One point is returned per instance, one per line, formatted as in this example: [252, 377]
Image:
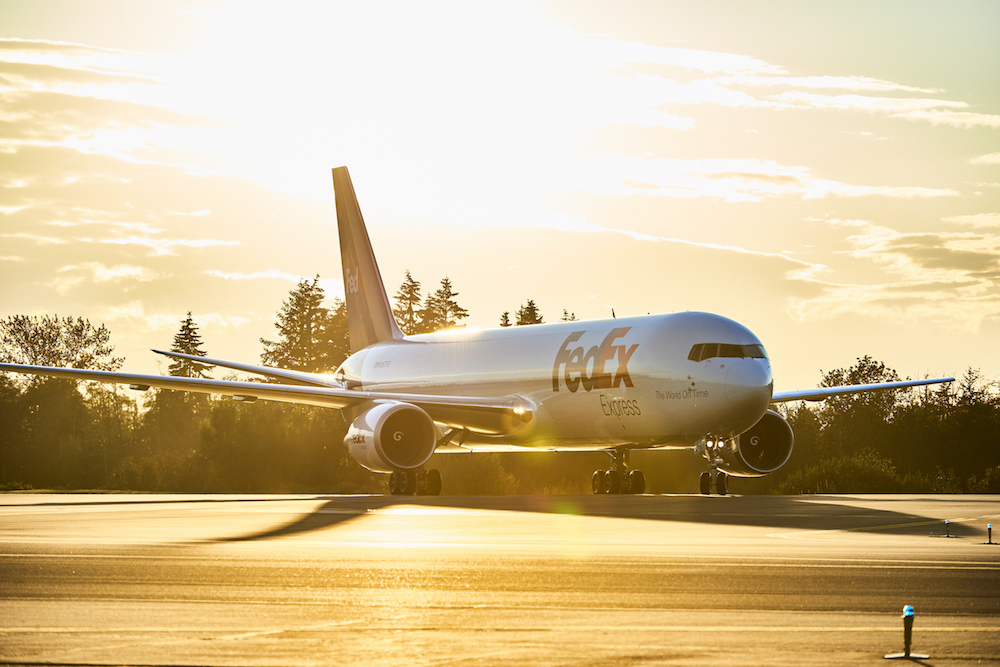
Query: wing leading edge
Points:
[494, 416]
[823, 393]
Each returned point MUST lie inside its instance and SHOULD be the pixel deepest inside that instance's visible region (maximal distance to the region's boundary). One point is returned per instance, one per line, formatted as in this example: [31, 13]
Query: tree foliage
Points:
[440, 309]
[407, 310]
[311, 337]
[528, 314]
[56, 341]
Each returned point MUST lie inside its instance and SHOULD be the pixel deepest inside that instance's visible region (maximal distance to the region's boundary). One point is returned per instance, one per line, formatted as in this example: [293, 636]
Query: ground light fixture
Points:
[907, 637]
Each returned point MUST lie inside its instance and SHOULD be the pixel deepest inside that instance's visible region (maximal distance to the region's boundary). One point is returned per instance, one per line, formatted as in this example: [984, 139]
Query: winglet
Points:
[369, 315]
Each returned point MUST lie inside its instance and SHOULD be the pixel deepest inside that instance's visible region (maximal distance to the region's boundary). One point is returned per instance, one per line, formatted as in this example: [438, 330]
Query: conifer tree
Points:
[568, 316]
[188, 341]
[528, 314]
[407, 310]
[310, 337]
[505, 319]
[334, 337]
[441, 311]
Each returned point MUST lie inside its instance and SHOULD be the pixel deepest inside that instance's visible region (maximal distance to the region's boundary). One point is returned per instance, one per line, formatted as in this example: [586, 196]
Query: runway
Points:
[516, 580]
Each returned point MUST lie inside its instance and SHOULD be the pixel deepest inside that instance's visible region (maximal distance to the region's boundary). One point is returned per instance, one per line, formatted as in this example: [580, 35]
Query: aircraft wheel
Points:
[406, 482]
[636, 482]
[612, 481]
[722, 484]
[433, 483]
[706, 483]
[393, 483]
[598, 481]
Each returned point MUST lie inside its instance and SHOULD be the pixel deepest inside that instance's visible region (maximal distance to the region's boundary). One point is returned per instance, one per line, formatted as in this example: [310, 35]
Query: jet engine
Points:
[391, 436]
[763, 449]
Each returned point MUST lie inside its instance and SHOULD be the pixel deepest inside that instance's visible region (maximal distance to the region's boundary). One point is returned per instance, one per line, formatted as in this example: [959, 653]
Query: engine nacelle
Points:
[763, 449]
[392, 436]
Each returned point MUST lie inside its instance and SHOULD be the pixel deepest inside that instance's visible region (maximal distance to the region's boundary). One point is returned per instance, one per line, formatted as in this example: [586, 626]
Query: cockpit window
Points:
[703, 351]
[731, 351]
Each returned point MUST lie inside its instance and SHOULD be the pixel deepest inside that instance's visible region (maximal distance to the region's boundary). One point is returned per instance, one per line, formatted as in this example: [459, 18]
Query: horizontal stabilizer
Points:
[298, 377]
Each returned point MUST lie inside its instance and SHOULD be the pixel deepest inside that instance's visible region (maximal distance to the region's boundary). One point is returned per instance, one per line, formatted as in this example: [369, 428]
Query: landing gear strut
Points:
[618, 478]
[419, 482]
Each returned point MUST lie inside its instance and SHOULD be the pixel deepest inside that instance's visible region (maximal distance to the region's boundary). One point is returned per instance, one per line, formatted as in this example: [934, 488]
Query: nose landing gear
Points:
[713, 476]
[721, 482]
[618, 478]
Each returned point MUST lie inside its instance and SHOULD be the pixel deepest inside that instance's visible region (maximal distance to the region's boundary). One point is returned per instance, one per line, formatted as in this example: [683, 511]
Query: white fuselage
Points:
[588, 384]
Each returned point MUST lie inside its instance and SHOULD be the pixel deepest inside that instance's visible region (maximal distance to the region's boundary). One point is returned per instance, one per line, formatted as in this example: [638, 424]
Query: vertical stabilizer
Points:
[369, 315]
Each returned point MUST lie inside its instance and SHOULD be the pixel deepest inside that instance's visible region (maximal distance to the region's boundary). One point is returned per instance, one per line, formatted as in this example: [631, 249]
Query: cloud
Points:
[729, 179]
[89, 123]
[200, 213]
[31, 76]
[822, 81]
[101, 273]
[162, 246]
[989, 158]
[913, 108]
[747, 72]
[69, 277]
[222, 321]
[977, 220]
[331, 286]
[36, 238]
[139, 321]
[47, 46]
[270, 274]
[949, 278]
[620, 53]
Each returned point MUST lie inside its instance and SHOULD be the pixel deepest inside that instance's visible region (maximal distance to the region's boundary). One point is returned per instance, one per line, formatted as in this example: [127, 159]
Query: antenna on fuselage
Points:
[613, 314]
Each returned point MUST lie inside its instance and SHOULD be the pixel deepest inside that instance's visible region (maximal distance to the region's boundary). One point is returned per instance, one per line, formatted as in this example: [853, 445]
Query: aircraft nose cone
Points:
[749, 385]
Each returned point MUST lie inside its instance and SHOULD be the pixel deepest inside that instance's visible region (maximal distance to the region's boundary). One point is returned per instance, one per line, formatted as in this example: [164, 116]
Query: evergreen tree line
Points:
[59, 434]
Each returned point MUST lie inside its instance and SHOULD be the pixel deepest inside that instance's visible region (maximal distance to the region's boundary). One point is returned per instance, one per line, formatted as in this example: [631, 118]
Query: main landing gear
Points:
[618, 478]
[419, 482]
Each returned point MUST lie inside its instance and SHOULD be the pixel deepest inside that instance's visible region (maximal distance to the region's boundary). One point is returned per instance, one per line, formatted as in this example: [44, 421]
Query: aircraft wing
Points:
[491, 415]
[298, 377]
[823, 393]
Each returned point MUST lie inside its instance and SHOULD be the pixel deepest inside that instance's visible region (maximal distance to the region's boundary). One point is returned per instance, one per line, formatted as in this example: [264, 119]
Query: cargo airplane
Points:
[692, 381]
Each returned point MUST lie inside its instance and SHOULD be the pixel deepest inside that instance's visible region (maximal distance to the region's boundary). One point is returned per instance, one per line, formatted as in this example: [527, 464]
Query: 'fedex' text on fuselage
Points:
[588, 368]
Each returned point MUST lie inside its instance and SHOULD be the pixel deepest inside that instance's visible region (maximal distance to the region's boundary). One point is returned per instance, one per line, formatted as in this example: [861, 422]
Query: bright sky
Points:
[827, 174]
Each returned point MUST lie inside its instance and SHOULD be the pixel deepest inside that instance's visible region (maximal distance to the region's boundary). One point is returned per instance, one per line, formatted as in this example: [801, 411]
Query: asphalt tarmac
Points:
[523, 580]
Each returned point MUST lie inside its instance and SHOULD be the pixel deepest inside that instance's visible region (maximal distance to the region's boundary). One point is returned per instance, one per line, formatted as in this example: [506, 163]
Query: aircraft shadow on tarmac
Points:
[781, 512]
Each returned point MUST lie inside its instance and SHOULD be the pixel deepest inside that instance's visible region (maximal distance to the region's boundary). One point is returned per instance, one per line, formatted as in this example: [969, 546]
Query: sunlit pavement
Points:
[529, 580]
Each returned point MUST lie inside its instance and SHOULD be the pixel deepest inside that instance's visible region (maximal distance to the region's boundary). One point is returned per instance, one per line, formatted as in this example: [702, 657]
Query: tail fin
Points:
[369, 316]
